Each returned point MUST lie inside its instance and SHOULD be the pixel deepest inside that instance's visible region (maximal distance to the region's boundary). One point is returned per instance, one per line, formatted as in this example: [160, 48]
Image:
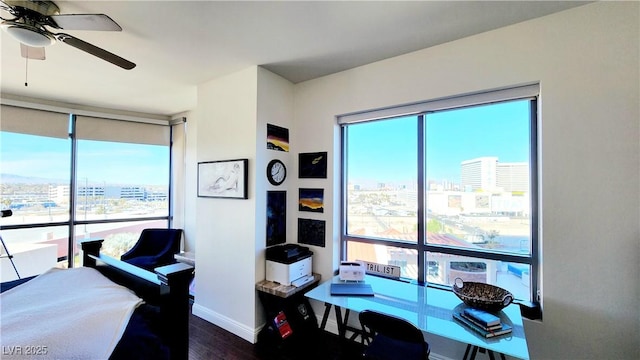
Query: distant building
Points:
[479, 174]
[60, 193]
[488, 174]
[513, 176]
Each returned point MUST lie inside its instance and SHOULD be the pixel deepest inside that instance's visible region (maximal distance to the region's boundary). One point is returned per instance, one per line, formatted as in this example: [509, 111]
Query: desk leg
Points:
[466, 352]
[345, 321]
[325, 316]
[482, 350]
[341, 325]
[491, 357]
[474, 351]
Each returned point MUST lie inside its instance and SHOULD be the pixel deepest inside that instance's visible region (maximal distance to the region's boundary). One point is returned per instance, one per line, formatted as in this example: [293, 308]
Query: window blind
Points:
[102, 129]
[520, 92]
[34, 122]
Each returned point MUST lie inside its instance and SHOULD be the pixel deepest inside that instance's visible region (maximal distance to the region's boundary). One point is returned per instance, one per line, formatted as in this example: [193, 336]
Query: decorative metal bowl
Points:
[482, 296]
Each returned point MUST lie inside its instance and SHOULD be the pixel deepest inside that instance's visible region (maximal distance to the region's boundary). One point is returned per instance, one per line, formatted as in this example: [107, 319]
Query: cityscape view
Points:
[458, 214]
[121, 188]
[476, 195]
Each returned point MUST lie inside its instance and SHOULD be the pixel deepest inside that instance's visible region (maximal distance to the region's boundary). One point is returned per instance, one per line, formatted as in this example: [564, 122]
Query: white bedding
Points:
[64, 314]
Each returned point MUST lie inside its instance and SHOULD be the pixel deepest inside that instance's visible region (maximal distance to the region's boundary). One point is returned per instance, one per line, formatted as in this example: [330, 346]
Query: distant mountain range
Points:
[17, 179]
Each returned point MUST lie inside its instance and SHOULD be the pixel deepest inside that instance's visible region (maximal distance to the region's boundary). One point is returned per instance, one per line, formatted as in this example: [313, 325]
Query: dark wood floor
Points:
[210, 342]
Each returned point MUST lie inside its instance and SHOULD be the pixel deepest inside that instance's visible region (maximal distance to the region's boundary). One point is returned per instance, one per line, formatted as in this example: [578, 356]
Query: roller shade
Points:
[101, 129]
[34, 122]
[515, 93]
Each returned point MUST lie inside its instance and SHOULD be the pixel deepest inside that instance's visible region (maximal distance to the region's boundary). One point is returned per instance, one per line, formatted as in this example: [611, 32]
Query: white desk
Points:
[430, 309]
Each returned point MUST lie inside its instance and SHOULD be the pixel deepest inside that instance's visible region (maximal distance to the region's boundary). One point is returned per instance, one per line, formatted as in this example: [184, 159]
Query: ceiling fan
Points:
[32, 17]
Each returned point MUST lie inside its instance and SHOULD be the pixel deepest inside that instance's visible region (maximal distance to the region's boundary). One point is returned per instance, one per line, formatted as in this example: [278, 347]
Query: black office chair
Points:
[154, 248]
[390, 338]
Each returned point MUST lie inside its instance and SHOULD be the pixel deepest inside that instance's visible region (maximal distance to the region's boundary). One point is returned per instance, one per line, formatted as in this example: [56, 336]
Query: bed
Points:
[120, 311]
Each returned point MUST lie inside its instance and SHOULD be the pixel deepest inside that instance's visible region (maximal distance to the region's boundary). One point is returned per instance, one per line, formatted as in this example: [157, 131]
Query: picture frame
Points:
[311, 200]
[277, 138]
[276, 217]
[312, 165]
[223, 179]
[311, 232]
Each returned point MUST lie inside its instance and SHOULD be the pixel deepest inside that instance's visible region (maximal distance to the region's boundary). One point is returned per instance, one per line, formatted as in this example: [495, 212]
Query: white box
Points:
[285, 274]
[351, 271]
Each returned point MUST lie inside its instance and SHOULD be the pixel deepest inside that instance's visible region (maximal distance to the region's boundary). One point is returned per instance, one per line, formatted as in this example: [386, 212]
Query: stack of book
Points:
[482, 322]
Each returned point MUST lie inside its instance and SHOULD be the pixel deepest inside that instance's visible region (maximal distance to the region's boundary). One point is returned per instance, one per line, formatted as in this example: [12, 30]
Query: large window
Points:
[448, 191]
[118, 170]
[122, 174]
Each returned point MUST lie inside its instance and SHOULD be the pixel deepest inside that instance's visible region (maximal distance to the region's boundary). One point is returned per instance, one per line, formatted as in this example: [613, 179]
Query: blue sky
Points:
[98, 162]
[383, 151]
[386, 150]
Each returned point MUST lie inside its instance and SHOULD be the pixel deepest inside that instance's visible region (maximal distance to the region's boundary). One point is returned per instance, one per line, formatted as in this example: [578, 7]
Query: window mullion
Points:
[381, 241]
[72, 193]
[422, 229]
[483, 254]
[535, 205]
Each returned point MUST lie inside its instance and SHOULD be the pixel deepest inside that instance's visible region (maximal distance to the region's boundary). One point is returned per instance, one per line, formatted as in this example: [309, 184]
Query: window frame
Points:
[531, 308]
[21, 110]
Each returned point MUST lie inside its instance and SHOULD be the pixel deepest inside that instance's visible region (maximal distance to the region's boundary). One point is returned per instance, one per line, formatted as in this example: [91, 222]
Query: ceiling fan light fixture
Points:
[32, 17]
[27, 34]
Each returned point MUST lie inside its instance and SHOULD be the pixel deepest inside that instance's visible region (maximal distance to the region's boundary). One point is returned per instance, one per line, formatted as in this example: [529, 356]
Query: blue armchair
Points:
[154, 248]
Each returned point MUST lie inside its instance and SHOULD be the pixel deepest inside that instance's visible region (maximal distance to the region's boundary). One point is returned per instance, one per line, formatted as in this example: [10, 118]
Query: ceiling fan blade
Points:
[30, 52]
[5, 7]
[94, 50]
[99, 22]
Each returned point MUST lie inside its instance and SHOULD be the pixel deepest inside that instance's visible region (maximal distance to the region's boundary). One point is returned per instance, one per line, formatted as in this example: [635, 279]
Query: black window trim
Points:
[531, 309]
[73, 221]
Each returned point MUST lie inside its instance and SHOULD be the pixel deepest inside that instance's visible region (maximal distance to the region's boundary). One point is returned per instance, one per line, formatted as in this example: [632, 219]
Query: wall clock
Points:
[276, 172]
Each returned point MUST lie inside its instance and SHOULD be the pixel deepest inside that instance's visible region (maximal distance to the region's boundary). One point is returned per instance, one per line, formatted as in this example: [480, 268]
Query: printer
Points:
[289, 264]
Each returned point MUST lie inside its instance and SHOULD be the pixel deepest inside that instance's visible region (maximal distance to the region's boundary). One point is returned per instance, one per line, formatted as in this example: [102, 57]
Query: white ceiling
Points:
[180, 44]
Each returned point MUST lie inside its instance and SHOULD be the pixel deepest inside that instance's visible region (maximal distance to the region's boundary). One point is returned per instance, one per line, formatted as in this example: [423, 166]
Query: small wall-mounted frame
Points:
[311, 232]
[223, 179]
[277, 138]
[311, 200]
[312, 165]
[276, 217]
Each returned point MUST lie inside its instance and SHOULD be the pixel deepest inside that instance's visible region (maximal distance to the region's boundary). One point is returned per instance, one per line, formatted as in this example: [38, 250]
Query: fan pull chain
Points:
[26, 69]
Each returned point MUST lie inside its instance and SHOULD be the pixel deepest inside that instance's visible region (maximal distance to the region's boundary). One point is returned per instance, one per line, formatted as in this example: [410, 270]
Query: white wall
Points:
[275, 106]
[587, 63]
[230, 234]
[225, 228]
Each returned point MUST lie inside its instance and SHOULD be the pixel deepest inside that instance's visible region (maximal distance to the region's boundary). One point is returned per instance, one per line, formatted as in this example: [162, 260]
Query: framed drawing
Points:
[311, 200]
[312, 165]
[276, 217]
[223, 179]
[277, 138]
[311, 232]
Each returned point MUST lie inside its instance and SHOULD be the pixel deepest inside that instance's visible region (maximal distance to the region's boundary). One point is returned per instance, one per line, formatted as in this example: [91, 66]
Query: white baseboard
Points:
[239, 329]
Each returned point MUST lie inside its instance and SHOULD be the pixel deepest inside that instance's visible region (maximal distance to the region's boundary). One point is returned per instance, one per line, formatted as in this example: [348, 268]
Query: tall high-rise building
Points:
[513, 176]
[478, 174]
[488, 174]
